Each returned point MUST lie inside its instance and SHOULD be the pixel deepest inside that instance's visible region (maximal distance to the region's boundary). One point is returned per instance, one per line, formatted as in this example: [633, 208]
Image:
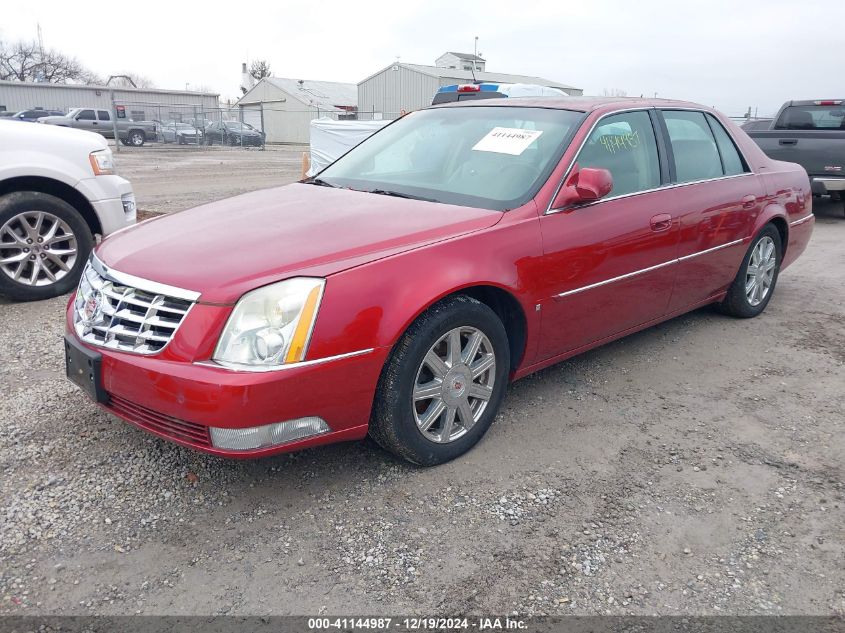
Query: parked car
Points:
[400, 290]
[812, 134]
[233, 133]
[5, 114]
[134, 133]
[58, 190]
[181, 133]
[488, 90]
[30, 116]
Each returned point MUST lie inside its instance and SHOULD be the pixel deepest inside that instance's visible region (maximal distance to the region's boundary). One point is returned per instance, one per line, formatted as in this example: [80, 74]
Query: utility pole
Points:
[475, 53]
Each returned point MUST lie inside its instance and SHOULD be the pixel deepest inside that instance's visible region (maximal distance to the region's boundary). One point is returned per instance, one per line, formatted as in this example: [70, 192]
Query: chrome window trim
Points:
[216, 364]
[677, 260]
[672, 185]
[801, 221]
[140, 283]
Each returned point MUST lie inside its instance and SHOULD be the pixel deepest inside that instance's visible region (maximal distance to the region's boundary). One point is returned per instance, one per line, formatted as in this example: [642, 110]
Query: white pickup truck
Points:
[58, 190]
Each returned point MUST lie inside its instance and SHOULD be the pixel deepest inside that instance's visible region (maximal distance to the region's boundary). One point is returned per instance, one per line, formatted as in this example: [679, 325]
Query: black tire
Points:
[16, 203]
[136, 138]
[736, 303]
[392, 424]
[125, 142]
[180, 140]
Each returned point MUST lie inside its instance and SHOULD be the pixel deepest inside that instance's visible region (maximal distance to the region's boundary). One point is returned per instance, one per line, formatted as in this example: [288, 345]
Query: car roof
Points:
[578, 104]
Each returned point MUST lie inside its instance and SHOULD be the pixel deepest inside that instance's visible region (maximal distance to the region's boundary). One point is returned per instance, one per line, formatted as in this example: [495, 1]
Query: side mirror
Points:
[584, 185]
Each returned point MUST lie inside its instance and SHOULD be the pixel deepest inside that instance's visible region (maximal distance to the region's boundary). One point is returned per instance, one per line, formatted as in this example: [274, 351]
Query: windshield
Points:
[73, 112]
[487, 157]
[237, 125]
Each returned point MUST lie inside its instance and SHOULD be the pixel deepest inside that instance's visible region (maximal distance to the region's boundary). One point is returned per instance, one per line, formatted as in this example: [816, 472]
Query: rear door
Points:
[104, 124]
[609, 266]
[716, 198]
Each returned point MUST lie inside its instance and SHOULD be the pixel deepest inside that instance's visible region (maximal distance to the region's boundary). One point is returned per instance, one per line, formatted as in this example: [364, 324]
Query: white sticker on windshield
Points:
[507, 140]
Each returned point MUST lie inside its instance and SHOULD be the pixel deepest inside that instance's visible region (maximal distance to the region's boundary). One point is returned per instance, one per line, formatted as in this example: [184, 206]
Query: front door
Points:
[609, 266]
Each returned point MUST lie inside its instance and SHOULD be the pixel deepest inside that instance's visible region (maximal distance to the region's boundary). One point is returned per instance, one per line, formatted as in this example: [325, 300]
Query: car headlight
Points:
[271, 326]
[102, 162]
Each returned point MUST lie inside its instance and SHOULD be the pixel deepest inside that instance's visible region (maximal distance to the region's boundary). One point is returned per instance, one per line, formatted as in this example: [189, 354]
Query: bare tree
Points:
[615, 92]
[259, 69]
[27, 61]
[130, 80]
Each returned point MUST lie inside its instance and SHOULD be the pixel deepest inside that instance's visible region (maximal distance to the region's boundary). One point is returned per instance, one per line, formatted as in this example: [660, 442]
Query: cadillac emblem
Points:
[92, 308]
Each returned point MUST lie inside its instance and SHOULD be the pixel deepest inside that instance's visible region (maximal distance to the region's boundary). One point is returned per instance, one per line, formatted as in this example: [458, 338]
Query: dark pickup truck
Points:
[812, 134]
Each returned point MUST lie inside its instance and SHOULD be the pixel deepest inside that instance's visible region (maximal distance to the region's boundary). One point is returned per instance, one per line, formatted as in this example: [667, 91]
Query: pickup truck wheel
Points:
[136, 138]
[443, 384]
[44, 244]
[754, 284]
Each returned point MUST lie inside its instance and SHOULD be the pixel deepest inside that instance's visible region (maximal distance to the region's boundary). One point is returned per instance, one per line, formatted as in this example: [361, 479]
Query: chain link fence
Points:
[190, 125]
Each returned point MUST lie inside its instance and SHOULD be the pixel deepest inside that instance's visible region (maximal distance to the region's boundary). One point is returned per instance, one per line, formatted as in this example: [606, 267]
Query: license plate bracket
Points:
[84, 369]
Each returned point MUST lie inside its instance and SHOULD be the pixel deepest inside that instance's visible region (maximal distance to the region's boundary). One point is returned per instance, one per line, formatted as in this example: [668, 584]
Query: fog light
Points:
[130, 209]
[255, 437]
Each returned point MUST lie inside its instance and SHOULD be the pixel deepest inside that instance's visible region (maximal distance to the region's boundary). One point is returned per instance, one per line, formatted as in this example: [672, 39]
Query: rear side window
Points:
[103, 115]
[812, 117]
[86, 115]
[693, 146]
[624, 144]
[731, 160]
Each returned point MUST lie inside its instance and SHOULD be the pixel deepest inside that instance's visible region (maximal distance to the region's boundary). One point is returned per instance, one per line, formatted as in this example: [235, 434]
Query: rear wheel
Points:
[136, 138]
[443, 385]
[44, 243]
[755, 282]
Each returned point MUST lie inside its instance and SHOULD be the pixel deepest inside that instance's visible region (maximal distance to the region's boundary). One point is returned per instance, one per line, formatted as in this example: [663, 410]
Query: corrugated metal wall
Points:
[391, 90]
[23, 96]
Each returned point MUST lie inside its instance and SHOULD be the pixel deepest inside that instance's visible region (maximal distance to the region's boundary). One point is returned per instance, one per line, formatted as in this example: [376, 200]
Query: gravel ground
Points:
[694, 468]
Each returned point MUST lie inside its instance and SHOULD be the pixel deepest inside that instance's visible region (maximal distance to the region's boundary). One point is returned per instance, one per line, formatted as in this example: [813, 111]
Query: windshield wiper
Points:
[319, 182]
[397, 194]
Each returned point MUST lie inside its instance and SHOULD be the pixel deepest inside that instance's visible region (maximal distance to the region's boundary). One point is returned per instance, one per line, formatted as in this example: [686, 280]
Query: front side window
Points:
[624, 144]
[86, 115]
[486, 157]
[693, 146]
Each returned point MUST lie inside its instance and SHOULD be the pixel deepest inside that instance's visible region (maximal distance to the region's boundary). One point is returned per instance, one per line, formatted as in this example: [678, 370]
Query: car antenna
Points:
[474, 56]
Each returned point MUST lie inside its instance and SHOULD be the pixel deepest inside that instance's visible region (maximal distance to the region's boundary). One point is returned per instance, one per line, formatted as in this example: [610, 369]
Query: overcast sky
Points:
[731, 55]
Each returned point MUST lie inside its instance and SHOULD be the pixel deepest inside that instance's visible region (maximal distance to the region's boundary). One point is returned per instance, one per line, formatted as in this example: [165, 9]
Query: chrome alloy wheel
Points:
[760, 271]
[454, 384]
[37, 248]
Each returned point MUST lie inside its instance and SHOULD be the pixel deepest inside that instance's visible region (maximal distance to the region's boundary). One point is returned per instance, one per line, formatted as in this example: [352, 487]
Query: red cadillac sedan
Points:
[400, 290]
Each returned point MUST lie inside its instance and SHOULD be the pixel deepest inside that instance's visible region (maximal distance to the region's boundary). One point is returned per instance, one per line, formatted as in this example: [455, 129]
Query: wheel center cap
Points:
[456, 384]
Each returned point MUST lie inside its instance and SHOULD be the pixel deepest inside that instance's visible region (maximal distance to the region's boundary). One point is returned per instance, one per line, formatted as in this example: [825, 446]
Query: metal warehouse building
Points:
[287, 106]
[409, 87]
[141, 103]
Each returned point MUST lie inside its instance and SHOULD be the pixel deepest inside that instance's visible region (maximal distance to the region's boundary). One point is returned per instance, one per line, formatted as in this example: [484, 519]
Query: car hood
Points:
[227, 248]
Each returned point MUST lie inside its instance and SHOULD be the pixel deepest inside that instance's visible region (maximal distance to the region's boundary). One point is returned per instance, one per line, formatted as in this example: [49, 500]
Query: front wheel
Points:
[443, 384]
[44, 243]
[754, 284]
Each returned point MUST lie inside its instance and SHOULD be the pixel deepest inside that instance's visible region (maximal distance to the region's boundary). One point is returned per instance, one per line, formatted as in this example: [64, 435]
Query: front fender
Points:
[372, 305]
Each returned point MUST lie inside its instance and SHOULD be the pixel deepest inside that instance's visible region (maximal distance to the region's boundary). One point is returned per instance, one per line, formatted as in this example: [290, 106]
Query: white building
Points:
[460, 61]
[286, 106]
[402, 86]
[142, 104]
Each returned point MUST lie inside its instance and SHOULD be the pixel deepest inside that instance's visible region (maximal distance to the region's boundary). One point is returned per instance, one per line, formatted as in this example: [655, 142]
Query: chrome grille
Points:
[110, 313]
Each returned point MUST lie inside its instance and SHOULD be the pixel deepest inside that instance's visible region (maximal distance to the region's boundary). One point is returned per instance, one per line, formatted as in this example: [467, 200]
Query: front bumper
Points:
[107, 195]
[178, 400]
